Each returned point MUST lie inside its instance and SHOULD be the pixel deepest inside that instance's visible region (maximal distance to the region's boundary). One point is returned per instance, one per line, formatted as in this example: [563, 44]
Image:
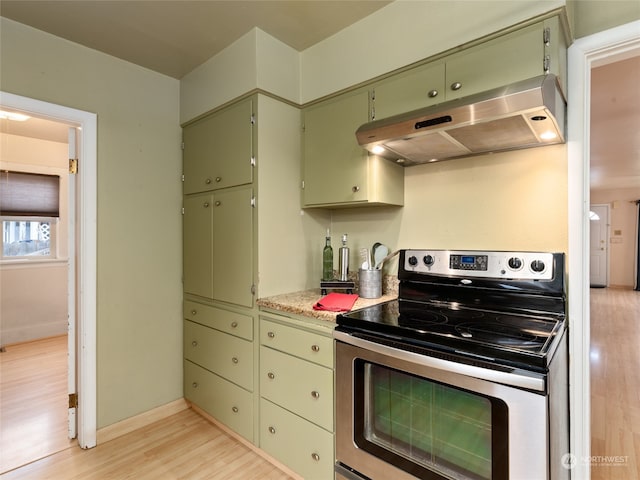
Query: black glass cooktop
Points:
[503, 337]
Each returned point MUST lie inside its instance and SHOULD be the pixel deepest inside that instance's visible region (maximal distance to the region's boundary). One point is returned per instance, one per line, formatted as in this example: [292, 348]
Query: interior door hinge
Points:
[253, 201]
[253, 289]
[253, 119]
[182, 177]
[302, 184]
[182, 145]
[73, 400]
[253, 161]
[182, 210]
[546, 64]
[73, 166]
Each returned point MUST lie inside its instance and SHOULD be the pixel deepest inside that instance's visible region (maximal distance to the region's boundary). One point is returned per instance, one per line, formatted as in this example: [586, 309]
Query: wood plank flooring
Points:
[33, 401]
[615, 384]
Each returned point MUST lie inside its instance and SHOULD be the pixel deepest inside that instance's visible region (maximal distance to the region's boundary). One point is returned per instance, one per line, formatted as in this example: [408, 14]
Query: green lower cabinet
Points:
[304, 447]
[223, 400]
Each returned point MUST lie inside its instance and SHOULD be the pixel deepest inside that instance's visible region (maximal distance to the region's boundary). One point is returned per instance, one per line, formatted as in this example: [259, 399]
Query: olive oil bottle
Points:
[327, 259]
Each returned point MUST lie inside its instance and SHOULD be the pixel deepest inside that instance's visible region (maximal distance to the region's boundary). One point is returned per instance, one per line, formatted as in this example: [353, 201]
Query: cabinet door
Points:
[512, 57]
[197, 227]
[218, 149]
[233, 246]
[417, 88]
[335, 166]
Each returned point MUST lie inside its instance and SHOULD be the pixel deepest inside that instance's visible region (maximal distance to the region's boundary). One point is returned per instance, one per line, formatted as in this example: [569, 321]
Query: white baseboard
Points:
[147, 418]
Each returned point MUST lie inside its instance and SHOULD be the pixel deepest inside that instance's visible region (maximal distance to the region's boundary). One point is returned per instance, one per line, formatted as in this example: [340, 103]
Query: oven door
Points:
[402, 416]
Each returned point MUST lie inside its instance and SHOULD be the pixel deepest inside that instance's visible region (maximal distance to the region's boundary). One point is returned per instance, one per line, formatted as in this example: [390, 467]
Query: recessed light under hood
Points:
[526, 114]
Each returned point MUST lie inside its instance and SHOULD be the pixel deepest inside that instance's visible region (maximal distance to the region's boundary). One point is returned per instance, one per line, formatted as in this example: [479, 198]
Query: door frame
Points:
[584, 54]
[85, 253]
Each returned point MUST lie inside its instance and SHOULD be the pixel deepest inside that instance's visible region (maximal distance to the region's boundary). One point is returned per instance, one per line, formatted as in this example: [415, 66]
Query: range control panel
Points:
[512, 265]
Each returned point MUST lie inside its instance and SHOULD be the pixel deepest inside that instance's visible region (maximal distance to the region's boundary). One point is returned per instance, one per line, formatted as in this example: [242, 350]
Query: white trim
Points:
[86, 252]
[583, 55]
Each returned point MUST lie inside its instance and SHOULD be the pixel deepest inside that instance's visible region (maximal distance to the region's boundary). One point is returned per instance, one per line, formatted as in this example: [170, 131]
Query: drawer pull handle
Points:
[207, 181]
[234, 324]
[315, 394]
[234, 409]
[218, 179]
[315, 456]
[432, 93]
[194, 384]
[271, 335]
[218, 203]
[355, 189]
[234, 359]
[456, 86]
[272, 430]
[205, 204]
[315, 348]
[194, 311]
[271, 375]
[194, 343]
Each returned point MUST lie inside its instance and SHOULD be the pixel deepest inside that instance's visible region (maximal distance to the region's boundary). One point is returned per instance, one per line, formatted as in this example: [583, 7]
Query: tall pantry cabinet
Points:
[237, 185]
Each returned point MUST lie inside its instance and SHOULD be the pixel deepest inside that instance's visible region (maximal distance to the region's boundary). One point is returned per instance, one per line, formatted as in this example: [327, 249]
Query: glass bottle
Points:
[327, 259]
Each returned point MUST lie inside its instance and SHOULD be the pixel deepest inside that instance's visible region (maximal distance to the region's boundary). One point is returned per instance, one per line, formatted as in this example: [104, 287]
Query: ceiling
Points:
[175, 36]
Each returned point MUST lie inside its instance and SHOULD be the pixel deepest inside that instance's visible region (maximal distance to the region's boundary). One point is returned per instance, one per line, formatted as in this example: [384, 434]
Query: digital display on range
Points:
[468, 262]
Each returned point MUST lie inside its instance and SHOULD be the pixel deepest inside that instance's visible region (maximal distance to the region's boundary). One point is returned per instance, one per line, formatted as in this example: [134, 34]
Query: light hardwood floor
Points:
[33, 425]
[615, 384]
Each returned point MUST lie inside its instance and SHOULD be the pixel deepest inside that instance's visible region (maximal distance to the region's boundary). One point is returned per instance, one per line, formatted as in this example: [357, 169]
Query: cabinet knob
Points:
[432, 93]
[315, 456]
[194, 384]
[218, 179]
[234, 409]
[205, 204]
[355, 189]
[456, 86]
[315, 394]
[271, 375]
[234, 324]
[234, 359]
[194, 343]
[315, 348]
[194, 311]
[207, 181]
[218, 203]
[271, 335]
[272, 430]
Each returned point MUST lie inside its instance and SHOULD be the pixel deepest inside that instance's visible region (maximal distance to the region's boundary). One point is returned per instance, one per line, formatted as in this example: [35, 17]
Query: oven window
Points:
[429, 429]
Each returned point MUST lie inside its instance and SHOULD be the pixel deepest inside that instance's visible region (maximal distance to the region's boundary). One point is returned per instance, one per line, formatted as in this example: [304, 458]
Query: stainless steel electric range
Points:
[464, 376]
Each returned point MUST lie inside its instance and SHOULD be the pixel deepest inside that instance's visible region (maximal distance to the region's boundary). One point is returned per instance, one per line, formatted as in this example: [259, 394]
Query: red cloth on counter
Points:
[336, 302]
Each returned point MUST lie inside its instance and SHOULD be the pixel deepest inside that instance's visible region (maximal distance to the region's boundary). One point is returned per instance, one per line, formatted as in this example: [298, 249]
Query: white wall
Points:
[139, 290]
[33, 294]
[624, 216]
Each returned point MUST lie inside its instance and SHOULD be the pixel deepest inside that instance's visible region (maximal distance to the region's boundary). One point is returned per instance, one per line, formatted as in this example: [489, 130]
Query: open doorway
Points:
[82, 262]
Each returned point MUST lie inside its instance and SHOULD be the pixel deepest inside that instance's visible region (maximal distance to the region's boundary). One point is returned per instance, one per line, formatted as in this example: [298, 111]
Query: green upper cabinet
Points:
[218, 149]
[336, 170]
[528, 52]
[417, 88]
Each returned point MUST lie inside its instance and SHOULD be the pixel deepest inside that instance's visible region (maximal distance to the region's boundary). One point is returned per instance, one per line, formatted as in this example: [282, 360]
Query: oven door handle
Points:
[347, 473]
[516, 378]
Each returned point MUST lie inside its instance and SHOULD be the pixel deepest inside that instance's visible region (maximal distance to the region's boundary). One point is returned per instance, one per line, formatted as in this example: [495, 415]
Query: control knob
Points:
[413, 261]
[428, 260]
[515, 263]
[537, 266]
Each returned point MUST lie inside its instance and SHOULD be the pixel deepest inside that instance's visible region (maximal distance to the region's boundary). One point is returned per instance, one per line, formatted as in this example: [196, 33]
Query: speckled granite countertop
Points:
[301, 303]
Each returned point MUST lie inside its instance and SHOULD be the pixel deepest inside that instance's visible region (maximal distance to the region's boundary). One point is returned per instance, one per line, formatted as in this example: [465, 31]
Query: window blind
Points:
[29, 194]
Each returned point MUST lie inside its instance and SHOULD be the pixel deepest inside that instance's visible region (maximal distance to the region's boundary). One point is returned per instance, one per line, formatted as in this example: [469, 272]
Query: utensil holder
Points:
[370, 283]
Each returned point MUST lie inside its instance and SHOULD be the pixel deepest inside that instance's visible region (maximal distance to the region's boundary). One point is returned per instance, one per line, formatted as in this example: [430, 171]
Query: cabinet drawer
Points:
[310, 346]
[302, 446]
[228, 356]
[224, 320]
[302, 387]
[221, 399]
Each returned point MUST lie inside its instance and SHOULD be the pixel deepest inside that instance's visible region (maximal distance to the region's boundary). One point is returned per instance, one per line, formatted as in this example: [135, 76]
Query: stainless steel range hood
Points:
[526, 114]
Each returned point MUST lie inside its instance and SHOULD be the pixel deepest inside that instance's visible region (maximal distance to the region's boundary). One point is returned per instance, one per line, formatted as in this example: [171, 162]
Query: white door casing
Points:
[84, 238]
[599, 246]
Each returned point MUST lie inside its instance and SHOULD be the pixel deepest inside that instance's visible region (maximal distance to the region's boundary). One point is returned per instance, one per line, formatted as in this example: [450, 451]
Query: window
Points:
[28, 237]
